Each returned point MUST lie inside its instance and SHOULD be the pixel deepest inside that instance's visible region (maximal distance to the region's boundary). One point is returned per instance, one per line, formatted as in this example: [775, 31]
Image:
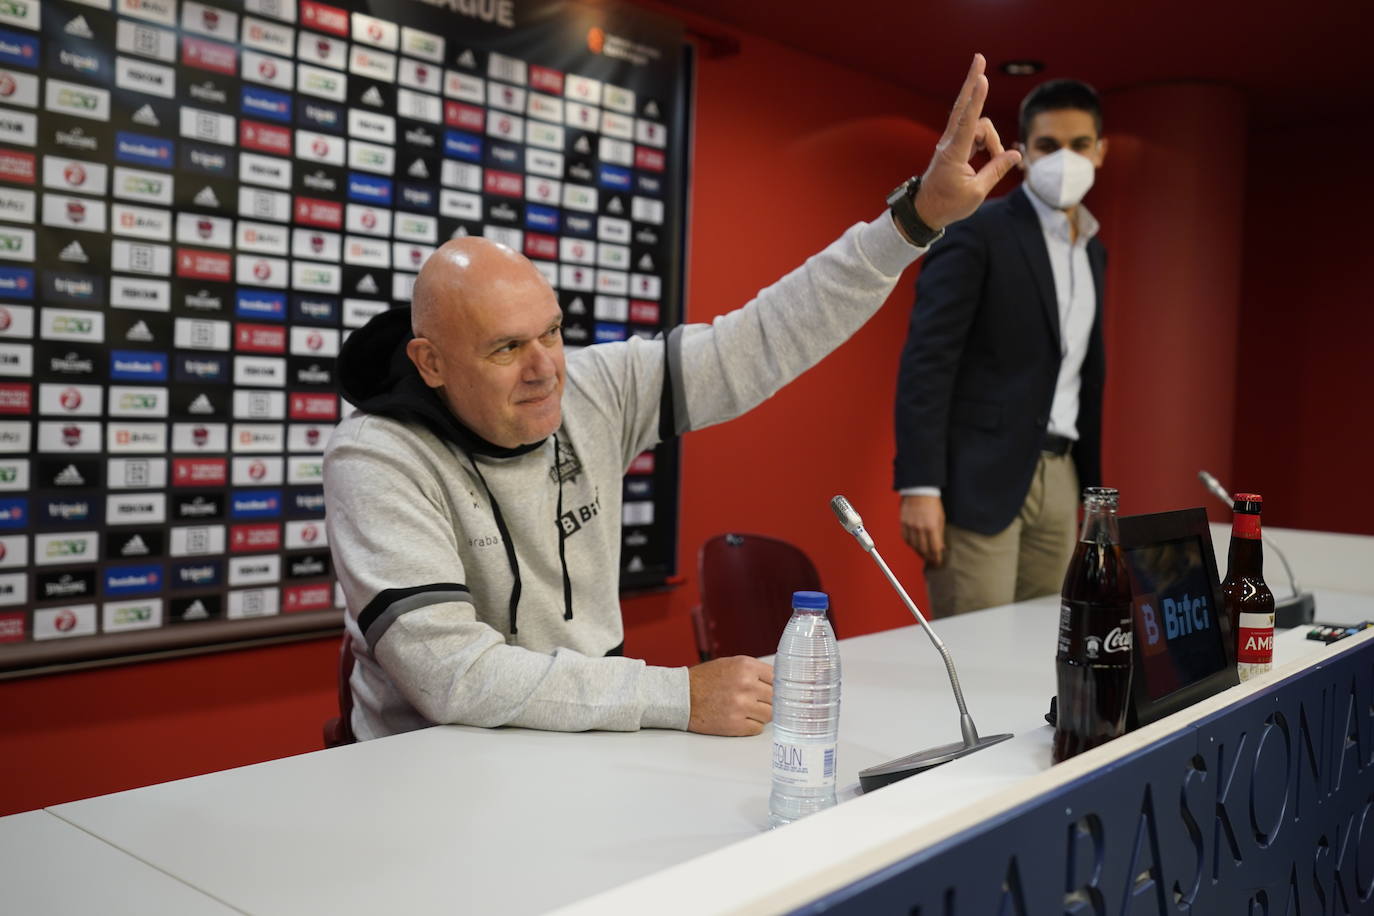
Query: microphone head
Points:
[850, 520]
[1211, 483]
[846, 514]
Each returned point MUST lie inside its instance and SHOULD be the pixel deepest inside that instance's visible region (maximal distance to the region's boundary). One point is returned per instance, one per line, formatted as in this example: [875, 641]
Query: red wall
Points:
[789, 151]
[1304, 387]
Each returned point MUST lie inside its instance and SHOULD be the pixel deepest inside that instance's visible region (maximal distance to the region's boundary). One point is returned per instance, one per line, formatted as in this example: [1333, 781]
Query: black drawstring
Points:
[562, 532]
[510, 546]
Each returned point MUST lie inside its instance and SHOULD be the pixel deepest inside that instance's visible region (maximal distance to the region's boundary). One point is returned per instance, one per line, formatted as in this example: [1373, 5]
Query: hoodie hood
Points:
[377, 377]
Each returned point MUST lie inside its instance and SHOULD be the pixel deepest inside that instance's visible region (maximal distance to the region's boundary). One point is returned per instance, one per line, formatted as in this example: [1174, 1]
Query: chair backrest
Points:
[747, 581]
[339, 729]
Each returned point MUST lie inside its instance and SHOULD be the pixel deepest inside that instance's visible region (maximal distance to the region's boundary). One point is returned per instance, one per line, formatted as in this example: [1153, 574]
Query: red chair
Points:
[747, 581]
[339, 730]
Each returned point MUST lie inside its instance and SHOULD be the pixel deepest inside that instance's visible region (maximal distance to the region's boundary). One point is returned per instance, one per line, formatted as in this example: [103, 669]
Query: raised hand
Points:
[950, 188]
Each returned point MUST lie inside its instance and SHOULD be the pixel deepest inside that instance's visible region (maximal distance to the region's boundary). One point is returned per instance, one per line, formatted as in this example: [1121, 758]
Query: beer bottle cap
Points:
[1250, 503]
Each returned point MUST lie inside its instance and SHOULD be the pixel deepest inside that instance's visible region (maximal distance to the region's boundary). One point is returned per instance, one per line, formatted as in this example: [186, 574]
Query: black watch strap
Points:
[902, 201]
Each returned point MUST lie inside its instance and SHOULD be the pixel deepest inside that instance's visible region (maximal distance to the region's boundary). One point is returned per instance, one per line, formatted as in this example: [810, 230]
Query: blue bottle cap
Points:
[813, 601]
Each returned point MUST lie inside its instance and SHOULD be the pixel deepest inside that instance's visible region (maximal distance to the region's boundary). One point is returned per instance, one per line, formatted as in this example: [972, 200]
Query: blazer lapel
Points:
[1032, 240]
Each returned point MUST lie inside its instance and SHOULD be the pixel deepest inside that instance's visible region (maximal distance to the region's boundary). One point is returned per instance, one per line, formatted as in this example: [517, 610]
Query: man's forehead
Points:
[513, 310]
[1061, 121]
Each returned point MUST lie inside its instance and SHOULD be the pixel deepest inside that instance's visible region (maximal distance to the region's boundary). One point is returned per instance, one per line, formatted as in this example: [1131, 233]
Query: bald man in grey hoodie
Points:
[474, 496]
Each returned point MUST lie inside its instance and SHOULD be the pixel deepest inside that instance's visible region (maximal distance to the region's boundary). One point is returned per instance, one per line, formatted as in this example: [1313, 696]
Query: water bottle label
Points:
[810, 766]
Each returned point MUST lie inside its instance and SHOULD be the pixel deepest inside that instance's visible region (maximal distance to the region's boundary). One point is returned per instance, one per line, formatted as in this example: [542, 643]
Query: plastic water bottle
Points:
[806, 712]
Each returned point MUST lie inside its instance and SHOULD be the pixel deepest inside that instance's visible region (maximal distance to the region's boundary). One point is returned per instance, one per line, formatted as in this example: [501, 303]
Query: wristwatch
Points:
[902, 201]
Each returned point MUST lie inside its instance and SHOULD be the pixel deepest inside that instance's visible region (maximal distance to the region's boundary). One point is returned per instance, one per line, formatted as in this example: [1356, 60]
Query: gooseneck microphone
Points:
[902, 767]
[1295, 609]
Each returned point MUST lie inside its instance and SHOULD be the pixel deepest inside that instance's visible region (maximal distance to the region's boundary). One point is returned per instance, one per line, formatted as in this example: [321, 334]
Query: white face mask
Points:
[1061, 178]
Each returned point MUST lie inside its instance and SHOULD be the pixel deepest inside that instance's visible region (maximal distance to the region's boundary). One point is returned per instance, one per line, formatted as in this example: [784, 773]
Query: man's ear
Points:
[427, 360]
[1101, 152]
[1021, 163]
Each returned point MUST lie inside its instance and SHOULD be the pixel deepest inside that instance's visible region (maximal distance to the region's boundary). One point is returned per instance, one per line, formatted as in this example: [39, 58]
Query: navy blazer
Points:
[980, 365]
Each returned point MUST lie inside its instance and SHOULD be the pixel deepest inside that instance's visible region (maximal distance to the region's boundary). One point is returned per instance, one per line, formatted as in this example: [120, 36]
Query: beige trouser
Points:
[1025, 560]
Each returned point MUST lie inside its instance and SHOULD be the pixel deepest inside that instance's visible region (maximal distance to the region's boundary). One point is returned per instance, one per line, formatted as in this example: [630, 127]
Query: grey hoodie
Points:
[482, 582]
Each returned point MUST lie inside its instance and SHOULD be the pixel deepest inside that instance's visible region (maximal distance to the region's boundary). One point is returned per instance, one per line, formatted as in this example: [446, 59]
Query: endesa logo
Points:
[16, 283]
[368, 189]
[133, 580]
[275, 106]
[14, 512]
[144, 150]
[255, 504]
[138, 366]
[257, 303]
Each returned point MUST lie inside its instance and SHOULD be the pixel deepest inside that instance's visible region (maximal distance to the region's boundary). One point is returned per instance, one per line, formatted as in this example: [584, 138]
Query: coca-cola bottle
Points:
[1094, 658]
[1249, 602]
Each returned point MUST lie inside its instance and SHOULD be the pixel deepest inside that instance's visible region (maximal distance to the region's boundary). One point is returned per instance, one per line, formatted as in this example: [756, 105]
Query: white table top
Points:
[49, 866]
[518, 821]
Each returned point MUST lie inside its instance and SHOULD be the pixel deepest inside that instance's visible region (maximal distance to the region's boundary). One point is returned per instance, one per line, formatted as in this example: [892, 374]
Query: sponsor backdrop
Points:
[198, 202]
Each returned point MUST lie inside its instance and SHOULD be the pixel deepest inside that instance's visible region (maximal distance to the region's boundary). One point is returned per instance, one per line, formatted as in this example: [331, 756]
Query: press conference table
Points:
[456, 819]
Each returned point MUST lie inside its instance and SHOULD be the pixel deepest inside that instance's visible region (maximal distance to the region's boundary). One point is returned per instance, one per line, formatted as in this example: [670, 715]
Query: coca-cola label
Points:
[1093, 634]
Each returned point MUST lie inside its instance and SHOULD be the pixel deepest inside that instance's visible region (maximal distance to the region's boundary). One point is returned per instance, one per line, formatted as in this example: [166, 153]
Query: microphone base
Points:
[1294, 611]
[884, 773]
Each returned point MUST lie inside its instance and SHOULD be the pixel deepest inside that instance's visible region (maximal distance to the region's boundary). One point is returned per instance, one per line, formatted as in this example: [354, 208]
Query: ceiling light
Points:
[1022, 67]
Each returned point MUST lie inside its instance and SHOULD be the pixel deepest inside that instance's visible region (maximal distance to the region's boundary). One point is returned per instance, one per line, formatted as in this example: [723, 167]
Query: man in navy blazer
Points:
[999, 395]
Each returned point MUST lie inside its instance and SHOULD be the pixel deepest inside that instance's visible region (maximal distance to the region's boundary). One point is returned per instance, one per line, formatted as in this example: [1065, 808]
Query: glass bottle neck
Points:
[1099, 525]
[1246, 557]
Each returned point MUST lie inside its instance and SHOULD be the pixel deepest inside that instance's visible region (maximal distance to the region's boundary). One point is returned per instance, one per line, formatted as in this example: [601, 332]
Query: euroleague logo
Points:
[596, 40]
